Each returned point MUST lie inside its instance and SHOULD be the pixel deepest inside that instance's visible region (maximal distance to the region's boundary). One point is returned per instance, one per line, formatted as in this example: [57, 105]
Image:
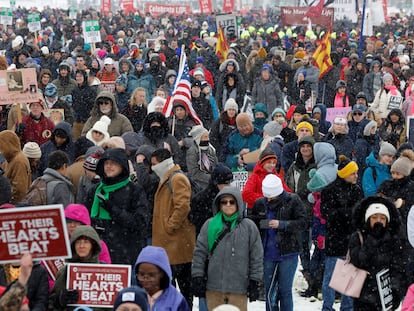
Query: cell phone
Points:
[264, 224]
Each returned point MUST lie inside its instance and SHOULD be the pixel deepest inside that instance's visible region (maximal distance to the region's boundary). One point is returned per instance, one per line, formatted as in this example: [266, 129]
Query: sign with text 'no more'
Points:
[38, 230]
[97, 284]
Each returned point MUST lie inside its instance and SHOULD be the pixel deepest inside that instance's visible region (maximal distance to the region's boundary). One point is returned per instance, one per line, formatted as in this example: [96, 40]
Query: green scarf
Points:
[97, 210]
[215, 227]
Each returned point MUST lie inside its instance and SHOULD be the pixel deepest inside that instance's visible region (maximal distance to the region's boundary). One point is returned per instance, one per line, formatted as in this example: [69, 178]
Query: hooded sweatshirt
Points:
[18, 167]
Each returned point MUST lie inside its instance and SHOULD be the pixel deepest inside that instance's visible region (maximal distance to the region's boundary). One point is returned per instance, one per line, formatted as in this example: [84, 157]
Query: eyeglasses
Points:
[357, 113]
[225, 202]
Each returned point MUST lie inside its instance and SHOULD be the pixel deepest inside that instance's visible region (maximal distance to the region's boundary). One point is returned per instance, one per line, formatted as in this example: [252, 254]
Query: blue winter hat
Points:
[51, 90]
[266, 67]
[122, 80]
[140, 61]
[200, 60]
[132, 294]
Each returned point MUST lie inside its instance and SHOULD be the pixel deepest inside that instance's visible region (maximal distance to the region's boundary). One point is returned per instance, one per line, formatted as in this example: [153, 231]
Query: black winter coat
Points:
[203, 109]
[289, 208]
[337, 201]
[83, 98]
[220, 131]
[343, 144]
[37, 287]
[377, 252]
[125, 234]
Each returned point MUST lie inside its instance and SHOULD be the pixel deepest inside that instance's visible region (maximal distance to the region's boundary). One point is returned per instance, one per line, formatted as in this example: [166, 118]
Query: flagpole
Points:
[361, 36]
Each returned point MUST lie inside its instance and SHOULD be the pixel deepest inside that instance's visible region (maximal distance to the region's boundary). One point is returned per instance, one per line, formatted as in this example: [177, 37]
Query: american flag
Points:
[181, 91]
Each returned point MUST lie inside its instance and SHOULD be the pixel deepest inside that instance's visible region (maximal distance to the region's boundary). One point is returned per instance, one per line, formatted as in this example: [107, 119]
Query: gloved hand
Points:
[253, 291]
[20, 128]
[199, 287]
[68, 296]
[396, 300]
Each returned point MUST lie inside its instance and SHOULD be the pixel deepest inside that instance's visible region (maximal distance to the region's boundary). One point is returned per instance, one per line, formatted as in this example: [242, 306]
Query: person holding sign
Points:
[387, 97]
[380, 248]
[86, 247]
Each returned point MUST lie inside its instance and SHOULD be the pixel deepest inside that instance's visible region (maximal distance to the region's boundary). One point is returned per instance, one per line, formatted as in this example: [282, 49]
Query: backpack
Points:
[41, 191]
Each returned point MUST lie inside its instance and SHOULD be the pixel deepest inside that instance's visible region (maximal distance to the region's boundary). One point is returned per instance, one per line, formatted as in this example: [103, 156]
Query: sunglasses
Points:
[225, 202]
[357, 113]
[104, 102]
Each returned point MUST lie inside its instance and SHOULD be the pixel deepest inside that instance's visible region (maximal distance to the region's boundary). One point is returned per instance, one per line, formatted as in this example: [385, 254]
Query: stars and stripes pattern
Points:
[181, 91]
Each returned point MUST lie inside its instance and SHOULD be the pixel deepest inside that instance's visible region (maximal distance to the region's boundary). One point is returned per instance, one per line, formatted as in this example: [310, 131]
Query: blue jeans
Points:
[202, 304]
[328, 294]
[278, 280]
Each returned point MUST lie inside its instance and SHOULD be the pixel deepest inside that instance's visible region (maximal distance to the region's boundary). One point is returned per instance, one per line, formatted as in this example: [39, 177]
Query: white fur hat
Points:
[100, 126]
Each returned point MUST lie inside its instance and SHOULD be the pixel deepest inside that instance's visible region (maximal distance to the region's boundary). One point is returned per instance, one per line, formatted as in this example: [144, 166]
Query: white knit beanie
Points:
[272, 186]
[32, 150]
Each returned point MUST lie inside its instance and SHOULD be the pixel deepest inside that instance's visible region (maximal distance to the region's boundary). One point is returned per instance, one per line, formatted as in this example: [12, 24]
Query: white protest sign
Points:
[91, 31]
[229, 24]
[6, 16]
[33, 22]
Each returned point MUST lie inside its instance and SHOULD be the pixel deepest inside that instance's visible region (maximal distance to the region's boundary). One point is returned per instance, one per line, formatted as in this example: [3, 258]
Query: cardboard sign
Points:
[296, 16]
[229, 24]
[53, 266]
[91, 31]
[384, 289]
[33, 22]
[332, 113]
[395, 102]
[158, 9]
[18, 86]
[108, 86]
[39, 230]
[239, 178]
[98, 285]
[6, 16]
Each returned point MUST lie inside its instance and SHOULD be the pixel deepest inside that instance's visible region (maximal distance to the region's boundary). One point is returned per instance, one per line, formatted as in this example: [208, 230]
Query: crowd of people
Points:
[327, 153]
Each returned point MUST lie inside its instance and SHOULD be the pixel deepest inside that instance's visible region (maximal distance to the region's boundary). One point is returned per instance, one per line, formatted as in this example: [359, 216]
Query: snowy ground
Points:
[300, 303]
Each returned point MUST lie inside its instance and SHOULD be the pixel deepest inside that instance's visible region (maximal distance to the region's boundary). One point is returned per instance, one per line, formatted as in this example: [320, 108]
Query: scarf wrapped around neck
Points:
[97, 211]
[392, 89]
[215, 227]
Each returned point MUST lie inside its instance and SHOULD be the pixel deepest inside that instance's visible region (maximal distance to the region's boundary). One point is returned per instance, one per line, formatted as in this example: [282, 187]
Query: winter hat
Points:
[387, 148]
[387, 76]
[340, 83]
[77, 212]
[196, 84]
[108, 61]
[278, 110]
[272, 128]
[304, 124]
[45, 50]
[346, 167]
[370, 125]
[266, 67]
[200, 60]
[272, 186]
[317, 110]
[132, 294]
[259, 107]
[92, 150]
[358, 107]
[92, 160]
[302, 72]
[100, 126]
[146, 151]
[300, 109]
[309, 140]
[17, 42]
[81, 146]
[131, 140]
[51, 90]
[140, 61]
[267, 154]
[122, 80]
[114, 142]
[243, 119]
[377, 208]
[404, 164]
[221, 174]
[198, 71]
[231, 104]
[340, 120]
[196, 132]
[32, 150]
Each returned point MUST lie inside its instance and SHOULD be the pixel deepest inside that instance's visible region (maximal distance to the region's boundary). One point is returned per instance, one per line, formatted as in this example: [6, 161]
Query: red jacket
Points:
[35, 130]
[253, 187]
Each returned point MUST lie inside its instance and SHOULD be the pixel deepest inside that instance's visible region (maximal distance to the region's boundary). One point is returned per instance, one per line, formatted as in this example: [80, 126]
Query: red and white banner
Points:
[53, 266]
[38, 230]
[158, 9]
[97, 285]
[228, 6]
[205, 6]
[296, 16]
[127, 6]
[106, 7]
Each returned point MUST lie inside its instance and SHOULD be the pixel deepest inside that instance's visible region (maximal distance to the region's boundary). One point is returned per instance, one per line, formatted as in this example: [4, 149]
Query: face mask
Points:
[106, 110]
[156, 131]
[204, 143]
[260, 121]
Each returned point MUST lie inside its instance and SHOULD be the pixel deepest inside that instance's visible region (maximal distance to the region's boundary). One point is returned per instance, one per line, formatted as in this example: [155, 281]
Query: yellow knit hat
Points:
[304, 124]
[346, 167]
